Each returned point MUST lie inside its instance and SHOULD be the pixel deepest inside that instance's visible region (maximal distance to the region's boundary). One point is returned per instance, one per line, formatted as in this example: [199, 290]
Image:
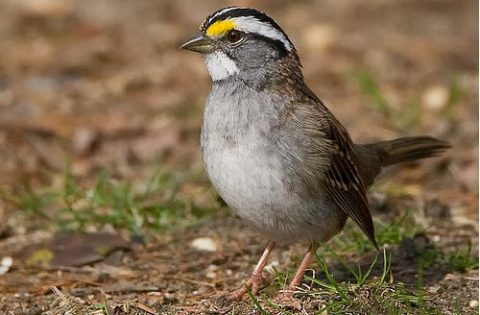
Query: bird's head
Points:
[244, 43]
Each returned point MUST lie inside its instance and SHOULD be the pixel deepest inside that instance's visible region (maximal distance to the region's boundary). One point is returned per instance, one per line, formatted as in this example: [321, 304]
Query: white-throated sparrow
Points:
[273, 150]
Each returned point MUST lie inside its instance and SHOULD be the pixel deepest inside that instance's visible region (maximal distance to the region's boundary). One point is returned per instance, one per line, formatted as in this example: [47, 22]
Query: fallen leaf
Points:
[73, 249]
[42, 256]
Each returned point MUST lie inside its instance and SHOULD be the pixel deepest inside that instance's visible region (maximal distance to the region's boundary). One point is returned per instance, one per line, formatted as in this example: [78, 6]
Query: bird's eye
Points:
[234, 36]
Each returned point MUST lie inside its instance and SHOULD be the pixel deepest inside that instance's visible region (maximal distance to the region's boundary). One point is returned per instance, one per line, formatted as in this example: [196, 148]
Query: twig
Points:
[212, 285]
[146, 309]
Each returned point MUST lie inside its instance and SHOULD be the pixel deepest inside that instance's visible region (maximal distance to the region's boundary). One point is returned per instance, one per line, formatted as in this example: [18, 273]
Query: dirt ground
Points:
[100, 87]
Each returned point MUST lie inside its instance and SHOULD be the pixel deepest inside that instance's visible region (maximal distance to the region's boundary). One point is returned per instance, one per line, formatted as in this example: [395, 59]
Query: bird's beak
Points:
[200, 44]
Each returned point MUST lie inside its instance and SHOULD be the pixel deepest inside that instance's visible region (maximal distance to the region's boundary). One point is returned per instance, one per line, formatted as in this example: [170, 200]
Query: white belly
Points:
[250, 174]
[247, 179]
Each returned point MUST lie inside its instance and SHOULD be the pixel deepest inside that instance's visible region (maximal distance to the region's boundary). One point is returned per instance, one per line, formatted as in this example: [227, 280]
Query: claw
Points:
[254, 283]
[286, 299]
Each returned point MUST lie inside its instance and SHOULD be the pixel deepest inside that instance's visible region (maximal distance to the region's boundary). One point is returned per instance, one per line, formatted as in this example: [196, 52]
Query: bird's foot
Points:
[286, 299]
[253, 283]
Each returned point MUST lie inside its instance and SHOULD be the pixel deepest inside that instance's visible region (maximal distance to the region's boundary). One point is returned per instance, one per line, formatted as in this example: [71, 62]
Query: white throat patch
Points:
[220, 66]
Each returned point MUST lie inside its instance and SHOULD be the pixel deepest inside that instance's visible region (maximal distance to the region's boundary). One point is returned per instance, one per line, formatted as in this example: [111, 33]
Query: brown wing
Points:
[326, 158]
[343, 181]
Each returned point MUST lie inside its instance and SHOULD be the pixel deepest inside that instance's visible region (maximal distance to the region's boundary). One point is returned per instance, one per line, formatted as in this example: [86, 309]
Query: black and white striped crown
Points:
[246, 20]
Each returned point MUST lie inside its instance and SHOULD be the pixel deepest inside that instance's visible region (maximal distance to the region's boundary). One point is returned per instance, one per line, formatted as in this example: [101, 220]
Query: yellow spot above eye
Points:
[219, 28]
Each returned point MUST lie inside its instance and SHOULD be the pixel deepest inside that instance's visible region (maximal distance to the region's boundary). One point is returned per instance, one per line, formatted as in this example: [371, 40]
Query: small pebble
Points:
[473, 304]
[5, 265]
[211, 272]
[83, 140]
[46, 8]
[433, 289]
[436, 98]
[204, 244]
[449, 276]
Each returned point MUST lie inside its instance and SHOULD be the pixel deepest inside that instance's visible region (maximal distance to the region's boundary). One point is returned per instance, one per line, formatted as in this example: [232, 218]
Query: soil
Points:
[98, 85]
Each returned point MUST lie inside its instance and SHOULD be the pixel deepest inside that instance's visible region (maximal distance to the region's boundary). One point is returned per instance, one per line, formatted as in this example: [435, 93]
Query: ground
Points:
[105, 208]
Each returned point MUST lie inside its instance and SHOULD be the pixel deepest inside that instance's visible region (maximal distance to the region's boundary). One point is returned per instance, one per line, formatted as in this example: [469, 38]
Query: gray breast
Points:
[246, 168]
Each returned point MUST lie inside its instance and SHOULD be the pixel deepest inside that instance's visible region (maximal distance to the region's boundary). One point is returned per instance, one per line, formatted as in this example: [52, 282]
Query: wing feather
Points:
[343, 181]
[326, 160]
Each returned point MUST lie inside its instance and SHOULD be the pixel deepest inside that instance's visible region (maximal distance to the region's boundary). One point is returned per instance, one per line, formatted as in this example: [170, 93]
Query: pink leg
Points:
[306, 261]
[255, 280]
[286, 297]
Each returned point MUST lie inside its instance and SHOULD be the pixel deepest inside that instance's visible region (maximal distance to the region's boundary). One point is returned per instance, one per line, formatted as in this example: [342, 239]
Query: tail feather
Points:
[409, 149]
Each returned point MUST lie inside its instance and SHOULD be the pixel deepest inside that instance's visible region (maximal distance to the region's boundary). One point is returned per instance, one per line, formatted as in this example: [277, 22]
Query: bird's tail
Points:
[408, 149]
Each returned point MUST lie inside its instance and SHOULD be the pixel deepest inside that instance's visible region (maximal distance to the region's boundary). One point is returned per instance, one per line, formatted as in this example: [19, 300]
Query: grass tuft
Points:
[256, 303]
[156, 205]
[370, 88]
[343, 288]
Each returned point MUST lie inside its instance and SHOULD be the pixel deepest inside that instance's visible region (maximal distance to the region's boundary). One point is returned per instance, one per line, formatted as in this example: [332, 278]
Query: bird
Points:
[273, 150]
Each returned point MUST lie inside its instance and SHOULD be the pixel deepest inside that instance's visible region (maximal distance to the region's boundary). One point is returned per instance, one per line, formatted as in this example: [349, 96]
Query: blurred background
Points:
[100, 112]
